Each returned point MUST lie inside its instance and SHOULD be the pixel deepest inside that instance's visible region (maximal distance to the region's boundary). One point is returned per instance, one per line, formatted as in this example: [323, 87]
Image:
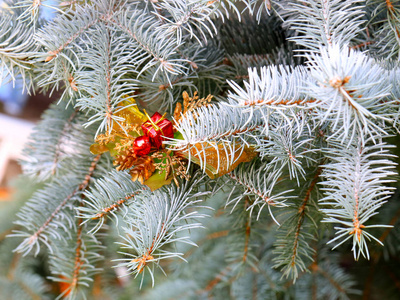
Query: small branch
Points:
[133, 35]
[29, 291]
[165, 86]
[247, 232]
[78, 261]
[109, 111]
[4, 234]
[362, 45]
[214, 235]
[145, 258]
[53, 54]
[185, 146]
[393, 17]
[81, 187]
[301, 212]
[326, 18]
[252, 189]
[117, 204]
[13, 266]
[254, 290]
[247, 239]
[242, 77]
[89, 175]
[262, 102]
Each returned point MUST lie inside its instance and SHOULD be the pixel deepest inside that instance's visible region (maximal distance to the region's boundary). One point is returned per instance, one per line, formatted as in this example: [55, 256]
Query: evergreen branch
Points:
[205, 74]
[301, 216]
[354, 186]
[217, 279]
[30, 10]
[106, 77]
[246, 241]
[57, 144]
[286, 148]
[322, 22]
[54, 53]
[292, 247]
[16, 49]
[344, 100]
[389, 32]
[143, 43]
[143, 31]
[63, 33]
[109, 194]
[159, 219]
[78, 261]
[234, 131]
[192, 18]
[74, 263]
[62, 75]
[277, 94]
[259, 185]
[42, 216]
[277, 87]
[241, 244]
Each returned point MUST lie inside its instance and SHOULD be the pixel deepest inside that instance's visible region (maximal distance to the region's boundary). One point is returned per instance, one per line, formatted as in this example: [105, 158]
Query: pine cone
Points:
[143, 170]
[126, 160]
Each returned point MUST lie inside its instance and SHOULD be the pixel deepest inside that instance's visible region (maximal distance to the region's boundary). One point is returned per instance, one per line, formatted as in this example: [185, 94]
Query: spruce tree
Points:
[269, 169]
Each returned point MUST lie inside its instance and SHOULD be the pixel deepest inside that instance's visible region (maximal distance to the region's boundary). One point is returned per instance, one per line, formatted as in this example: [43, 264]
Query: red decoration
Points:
[142, 145]
[158, 128]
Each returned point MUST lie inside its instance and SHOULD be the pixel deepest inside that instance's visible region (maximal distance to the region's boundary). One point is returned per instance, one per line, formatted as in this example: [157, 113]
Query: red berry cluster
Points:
[155, 131]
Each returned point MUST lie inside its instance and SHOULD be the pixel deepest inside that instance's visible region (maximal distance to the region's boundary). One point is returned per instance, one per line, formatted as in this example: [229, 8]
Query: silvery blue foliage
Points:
[157, 220]
[351, 92]
[313, 106]
[354, 188]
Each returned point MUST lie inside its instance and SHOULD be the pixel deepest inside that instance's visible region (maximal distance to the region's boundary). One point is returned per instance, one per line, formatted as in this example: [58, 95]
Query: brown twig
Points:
[81, 187]
[301, 215]
[117, 204]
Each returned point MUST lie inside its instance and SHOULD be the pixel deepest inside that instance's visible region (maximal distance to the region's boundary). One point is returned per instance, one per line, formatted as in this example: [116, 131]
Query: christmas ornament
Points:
[158, 128]
[136, 143]
[142, 145]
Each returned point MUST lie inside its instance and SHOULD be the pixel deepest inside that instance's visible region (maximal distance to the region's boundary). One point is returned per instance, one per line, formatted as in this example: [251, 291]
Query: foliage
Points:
[307, 90]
